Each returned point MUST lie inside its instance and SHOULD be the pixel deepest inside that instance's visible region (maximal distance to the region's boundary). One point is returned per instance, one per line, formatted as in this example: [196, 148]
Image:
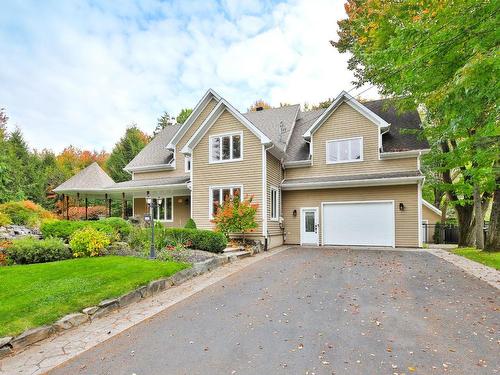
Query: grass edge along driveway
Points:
[490, 259]
[38, 294]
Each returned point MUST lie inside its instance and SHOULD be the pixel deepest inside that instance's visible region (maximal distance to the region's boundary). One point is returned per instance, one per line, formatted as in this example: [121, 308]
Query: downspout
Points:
[264, 194]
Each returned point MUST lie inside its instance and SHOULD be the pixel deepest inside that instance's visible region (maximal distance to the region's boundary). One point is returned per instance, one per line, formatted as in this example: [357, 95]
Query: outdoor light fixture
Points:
[151, 205]
[401, 207]
[294, 213]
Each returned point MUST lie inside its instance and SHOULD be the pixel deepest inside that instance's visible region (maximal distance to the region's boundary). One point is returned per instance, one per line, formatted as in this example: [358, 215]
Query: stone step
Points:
[240, 254]
[232, 249]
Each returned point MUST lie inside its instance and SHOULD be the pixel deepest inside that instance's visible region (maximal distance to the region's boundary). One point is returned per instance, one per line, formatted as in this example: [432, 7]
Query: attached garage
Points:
[359, 223]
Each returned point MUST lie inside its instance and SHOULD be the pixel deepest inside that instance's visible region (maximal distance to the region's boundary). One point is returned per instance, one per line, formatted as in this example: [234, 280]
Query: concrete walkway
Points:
[49, 353]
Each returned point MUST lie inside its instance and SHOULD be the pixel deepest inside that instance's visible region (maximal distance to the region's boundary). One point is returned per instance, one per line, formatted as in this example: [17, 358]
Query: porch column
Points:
[67, 207]
[86, 209]
[123, 205]
[78, 200]
[106, 200]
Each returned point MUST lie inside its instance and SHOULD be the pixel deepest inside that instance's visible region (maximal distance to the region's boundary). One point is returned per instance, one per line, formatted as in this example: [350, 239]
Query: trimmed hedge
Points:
[30, 250]
[207, 240]
[112, 226]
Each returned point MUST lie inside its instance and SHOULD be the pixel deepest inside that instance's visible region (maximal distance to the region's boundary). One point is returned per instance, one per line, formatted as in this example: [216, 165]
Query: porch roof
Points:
[92, 178]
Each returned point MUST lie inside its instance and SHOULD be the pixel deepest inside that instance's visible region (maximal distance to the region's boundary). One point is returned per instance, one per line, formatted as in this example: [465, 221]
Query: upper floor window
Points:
[344, 150]
[224, 148]
[187, 164]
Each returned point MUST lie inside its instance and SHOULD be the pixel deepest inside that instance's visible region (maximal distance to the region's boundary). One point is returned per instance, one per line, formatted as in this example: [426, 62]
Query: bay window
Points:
[224, 148]
[344, 150]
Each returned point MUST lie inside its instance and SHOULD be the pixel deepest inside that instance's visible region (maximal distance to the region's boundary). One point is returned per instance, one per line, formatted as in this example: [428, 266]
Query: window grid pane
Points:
[226, 148]
[236, 143]
[168, 208]
[344, 150]
[216, 148]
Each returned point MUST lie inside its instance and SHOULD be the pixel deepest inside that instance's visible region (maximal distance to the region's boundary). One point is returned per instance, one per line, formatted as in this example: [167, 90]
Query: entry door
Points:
[309, 226]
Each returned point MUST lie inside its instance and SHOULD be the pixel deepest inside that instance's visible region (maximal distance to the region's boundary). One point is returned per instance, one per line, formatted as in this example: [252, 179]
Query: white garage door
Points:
[359, 223]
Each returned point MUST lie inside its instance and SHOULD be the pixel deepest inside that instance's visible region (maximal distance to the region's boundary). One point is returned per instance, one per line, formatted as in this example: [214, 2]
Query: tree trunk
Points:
[493, 239]
[465, 216]
[479, 219]
[444, 208]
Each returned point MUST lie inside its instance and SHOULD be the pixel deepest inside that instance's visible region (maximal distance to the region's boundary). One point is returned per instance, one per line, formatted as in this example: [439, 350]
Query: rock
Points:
[200, 267]
[90, 310]
[129, 298]
[107, 302]
[184, 275]
[144, 291]
[156, 286]
[5, 351]
[31, 336]
[70, 321]
[5, 340]
[103, 311]
[11, 232]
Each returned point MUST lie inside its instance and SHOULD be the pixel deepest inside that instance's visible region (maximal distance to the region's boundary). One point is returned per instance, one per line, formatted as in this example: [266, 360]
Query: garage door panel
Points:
[366, 223]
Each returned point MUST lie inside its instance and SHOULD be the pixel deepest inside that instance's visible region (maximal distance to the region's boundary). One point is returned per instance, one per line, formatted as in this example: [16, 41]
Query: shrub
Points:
[199, 239]
[121, 226]
[65, 228]
[4, 219]
[88, 242]
[29, 250]
[236, 216]
[190, 224]
[93, 212]
[25, 213]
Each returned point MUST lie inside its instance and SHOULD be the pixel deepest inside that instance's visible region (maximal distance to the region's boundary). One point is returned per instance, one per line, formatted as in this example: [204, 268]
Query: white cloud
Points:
[78, 74]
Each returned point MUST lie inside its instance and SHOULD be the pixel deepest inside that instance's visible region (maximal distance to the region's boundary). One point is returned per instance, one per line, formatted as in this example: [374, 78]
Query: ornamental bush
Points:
[190, 224]
[4, 219]
[65, 228]
[29, 250]
[88, 242]
[25, 213]
[121, 226]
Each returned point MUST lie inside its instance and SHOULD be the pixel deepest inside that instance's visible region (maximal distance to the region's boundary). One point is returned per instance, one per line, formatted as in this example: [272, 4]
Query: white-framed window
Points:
[274, 194]
[187, 164]
[163, 211]
[218, 194]
[226, 147]
[344, 150]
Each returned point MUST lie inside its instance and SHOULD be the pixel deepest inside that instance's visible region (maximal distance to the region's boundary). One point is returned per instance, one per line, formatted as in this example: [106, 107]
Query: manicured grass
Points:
[484, 257]
[37, 294]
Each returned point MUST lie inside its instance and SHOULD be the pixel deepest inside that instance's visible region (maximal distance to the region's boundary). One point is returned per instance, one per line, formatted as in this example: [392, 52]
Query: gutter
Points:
[151, 168]
[298, 164]
[353, 183]
[403, 154]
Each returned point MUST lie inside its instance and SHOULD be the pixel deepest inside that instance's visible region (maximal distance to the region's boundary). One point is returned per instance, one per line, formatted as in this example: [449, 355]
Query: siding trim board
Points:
[355, 183]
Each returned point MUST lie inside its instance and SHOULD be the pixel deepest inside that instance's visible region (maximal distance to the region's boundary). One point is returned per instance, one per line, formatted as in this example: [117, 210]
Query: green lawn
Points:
[484, 257]
[37, 294]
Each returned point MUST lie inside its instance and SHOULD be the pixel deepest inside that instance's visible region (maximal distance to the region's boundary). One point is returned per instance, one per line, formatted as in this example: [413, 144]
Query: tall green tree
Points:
[163, 121]
[124, 151]
[442, 56]
[183, 115]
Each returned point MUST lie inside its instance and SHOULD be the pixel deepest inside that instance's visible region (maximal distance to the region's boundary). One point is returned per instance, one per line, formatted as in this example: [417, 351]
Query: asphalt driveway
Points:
[317, 311]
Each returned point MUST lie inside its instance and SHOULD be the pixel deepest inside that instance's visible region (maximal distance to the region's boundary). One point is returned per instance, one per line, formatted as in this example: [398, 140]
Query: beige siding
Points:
[181, 211]
[407, 225]
[274, 178]
[432, 218]
[346, 122]
[247, 172]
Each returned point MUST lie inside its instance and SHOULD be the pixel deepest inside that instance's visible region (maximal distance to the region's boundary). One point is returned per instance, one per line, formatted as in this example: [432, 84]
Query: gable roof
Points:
[276, 123]
[209, 95]
[344, 97]
[432, 207]
[155, 155]
[91, 178]
[213, 116]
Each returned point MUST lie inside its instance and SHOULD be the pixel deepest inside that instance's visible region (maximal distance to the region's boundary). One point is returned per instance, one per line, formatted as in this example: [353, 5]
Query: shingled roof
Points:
[155, 153]
[91, 178]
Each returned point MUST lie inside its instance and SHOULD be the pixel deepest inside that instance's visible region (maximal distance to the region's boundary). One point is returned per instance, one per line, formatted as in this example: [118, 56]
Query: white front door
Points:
[309, 226]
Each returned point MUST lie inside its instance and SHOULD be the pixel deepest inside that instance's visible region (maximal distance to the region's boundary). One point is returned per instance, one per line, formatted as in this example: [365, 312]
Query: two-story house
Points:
[345, 175]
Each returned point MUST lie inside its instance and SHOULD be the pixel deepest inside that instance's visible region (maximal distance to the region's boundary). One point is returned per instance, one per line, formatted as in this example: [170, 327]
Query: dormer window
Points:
[344, 150]
[225, 148]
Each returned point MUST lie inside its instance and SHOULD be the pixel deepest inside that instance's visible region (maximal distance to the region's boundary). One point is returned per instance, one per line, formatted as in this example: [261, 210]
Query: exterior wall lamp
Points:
[294, 213]
[401, 207]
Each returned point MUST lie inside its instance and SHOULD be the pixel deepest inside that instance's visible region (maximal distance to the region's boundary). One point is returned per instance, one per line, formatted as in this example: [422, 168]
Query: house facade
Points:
[345, 175]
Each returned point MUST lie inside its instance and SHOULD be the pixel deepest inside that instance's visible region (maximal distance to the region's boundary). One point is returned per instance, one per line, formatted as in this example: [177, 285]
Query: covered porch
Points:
[92, 184]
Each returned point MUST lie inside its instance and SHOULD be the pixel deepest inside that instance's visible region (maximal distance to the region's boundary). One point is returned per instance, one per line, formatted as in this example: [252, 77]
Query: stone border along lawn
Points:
[11, 345]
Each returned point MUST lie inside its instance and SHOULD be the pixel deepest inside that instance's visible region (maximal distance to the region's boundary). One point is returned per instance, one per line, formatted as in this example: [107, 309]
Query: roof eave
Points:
[403, 154]
[298, 163]
[150, 168]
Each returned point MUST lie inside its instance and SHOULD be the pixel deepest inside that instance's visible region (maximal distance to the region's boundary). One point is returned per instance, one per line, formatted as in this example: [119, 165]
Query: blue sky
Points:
[78, 72]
